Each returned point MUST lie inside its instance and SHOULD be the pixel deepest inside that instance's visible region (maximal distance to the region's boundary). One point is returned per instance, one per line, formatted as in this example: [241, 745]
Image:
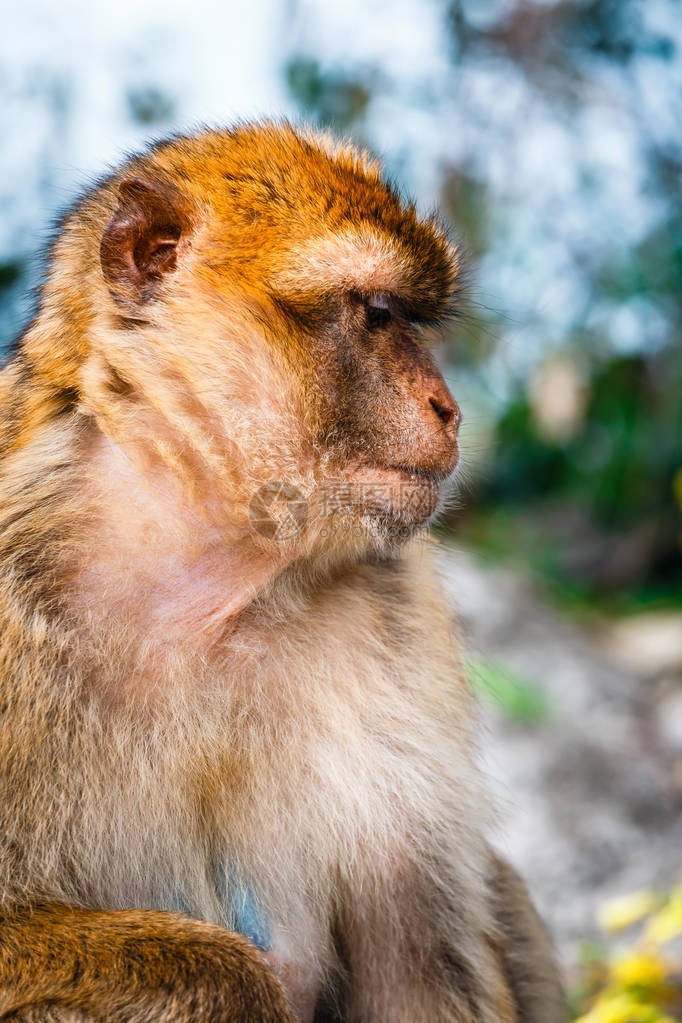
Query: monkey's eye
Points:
[378, 311]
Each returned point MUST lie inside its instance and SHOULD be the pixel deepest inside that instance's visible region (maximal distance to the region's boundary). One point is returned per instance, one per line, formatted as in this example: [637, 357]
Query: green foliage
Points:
[620, 463]
[604, 498]
[518, 699]
[149, 105]
[329, 97]
[10, 273]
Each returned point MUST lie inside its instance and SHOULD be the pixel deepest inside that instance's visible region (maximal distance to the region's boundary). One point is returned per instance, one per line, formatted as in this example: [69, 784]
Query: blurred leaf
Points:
[518, 699]
[337, 98]
[666, 924]
[10, 273]
[620, 913]
[147, 104]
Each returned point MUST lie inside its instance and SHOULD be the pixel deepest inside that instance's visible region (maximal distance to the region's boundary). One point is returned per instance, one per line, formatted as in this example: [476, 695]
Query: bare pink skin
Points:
[159, 560]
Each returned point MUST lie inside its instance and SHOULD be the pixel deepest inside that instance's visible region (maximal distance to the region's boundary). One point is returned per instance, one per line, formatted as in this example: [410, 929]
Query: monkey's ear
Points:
[139, 244]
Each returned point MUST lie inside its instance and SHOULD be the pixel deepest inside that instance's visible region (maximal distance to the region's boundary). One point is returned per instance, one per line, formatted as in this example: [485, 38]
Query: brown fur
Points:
[200, 717]
[135, 966]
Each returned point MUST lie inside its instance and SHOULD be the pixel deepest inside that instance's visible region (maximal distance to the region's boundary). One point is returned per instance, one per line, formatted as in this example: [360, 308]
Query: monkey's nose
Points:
[447, 411]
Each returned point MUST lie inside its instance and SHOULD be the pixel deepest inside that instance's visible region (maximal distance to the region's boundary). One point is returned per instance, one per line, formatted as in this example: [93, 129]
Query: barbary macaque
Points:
[237, 747]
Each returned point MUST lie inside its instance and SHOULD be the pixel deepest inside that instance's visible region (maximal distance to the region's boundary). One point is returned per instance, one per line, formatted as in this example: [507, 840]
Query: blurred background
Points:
[549, 135]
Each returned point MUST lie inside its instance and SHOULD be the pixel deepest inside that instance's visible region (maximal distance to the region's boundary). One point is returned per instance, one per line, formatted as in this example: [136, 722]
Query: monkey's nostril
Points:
[445, 413]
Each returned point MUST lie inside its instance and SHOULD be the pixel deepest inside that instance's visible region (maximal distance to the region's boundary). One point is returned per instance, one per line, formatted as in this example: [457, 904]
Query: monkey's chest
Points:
[285, 950]
[245, 913]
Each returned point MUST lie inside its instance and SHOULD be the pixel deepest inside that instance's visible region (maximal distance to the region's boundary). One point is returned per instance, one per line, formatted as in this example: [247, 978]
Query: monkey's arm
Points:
[134, 966]
[527, 953]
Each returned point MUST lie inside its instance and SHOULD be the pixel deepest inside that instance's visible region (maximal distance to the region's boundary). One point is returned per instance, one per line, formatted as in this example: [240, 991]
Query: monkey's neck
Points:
[155, 563]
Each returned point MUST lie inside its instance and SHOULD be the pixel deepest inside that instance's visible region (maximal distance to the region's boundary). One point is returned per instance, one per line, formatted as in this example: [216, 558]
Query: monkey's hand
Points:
[132, 966]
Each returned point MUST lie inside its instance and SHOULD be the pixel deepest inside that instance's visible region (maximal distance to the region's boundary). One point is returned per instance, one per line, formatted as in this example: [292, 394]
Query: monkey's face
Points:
[287, 290]
[382, 415]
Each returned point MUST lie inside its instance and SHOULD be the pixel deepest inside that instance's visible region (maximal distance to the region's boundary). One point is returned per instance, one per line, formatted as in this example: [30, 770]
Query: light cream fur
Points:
[189, 706]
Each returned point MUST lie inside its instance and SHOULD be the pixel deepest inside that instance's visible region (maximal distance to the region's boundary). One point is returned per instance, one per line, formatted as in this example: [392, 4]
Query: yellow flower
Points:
[622, 912]
[667, 923]
[642, 980]
[639, 970]
[623, 1007]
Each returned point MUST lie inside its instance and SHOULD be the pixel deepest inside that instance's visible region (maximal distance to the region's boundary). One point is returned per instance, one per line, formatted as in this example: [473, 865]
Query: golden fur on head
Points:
[274, 223]
[271, 734]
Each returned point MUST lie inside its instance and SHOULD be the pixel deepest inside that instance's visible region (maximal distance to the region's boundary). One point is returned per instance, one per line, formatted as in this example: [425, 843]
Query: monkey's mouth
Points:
[402, 495]
[408, 473]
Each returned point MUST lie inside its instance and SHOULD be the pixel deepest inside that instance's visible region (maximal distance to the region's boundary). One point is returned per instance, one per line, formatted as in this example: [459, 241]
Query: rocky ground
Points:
[591, 784]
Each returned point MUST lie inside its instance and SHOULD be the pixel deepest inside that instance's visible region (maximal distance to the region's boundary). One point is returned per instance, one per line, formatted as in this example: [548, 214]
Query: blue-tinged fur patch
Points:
[244, 912]
[248, 917]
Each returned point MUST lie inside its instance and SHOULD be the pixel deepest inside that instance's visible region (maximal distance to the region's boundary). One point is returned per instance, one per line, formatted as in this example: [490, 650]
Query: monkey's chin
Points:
[399, 500]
